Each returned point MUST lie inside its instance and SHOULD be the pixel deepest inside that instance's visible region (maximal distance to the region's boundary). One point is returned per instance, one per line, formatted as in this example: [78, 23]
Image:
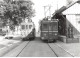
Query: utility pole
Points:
[57, 5]
[50, 11]
[47, 10]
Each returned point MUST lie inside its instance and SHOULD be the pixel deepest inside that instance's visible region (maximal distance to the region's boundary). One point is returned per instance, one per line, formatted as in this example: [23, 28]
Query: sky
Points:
[39, 8]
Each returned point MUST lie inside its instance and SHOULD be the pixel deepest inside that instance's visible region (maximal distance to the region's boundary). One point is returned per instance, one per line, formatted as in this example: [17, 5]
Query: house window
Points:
[78, 19]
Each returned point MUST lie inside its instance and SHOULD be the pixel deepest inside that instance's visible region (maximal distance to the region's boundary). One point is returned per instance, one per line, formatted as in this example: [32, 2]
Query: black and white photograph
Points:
[39, 28]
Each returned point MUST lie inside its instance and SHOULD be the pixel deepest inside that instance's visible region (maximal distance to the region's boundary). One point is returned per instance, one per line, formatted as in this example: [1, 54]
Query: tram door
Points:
[49, 30]
[44, 30]
[53, 30]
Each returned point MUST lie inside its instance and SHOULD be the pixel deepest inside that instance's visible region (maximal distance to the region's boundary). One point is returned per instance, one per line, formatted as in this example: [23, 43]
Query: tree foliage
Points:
[15, 11]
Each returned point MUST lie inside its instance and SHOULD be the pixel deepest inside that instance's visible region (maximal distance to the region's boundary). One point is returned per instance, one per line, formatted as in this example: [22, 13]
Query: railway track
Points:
[65, 50]
[59, 51]
[52, 50]
[38, 49]
[56, 51]
[23, 48]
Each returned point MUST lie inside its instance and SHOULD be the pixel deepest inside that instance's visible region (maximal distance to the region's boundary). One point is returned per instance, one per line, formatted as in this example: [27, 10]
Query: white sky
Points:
[38, 6]
[39, 9]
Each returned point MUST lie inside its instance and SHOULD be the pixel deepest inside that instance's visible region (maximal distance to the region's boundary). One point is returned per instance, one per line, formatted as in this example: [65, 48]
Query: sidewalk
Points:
[8, 44]
[72, 48]
[8, 41]
[1, 38]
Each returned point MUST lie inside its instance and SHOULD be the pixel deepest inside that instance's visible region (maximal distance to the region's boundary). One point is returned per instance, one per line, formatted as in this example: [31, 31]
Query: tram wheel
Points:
[44, 41]
[23, 39]
[33, 38]
[54, 40]
[30, 38]
[48, 41]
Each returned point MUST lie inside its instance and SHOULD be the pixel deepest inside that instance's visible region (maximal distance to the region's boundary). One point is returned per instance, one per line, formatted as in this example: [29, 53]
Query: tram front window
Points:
[45, 27]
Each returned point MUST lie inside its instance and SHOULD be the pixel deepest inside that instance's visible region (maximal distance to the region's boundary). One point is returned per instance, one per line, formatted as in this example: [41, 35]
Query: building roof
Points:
[75, 9]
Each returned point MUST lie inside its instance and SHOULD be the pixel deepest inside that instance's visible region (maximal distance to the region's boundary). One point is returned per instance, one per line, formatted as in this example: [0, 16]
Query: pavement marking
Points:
[16, 41]
[3, 48]
[9, 44]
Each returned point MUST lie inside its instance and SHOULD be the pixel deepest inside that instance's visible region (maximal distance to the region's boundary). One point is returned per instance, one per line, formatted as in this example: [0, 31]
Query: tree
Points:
[15, 11]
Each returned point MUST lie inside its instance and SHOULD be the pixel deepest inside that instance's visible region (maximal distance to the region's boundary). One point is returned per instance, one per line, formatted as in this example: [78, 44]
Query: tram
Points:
[49, 30]
[27, 31]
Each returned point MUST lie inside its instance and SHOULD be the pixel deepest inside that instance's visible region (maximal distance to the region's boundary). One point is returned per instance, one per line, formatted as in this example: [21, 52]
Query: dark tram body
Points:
[49, 30]
[31, 35]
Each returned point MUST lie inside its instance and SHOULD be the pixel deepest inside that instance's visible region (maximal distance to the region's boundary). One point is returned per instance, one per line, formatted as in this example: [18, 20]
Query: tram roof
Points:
[26, 23]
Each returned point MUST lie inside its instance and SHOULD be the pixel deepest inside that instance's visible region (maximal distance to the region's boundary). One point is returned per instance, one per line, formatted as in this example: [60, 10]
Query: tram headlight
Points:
[42, 37]
[55, 33]
[45, 34]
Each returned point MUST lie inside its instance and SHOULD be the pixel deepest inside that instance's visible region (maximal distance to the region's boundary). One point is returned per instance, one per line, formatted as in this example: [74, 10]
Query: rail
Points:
[56, 45]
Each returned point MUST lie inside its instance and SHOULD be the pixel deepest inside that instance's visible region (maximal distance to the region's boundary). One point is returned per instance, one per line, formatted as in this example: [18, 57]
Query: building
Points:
[70, 24]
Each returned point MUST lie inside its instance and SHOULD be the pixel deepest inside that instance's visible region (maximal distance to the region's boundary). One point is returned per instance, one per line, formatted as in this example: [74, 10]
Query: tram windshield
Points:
[45, 27]
[50, 26]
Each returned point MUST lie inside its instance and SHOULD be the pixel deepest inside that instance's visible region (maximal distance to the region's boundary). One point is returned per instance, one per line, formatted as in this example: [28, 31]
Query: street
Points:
[38, 48]
[26, 24]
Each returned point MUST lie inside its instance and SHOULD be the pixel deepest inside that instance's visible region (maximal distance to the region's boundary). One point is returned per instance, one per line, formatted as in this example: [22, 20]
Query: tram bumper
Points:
[44, 38]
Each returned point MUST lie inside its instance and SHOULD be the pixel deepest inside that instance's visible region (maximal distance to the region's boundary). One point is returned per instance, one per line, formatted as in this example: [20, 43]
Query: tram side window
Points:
[26, 26]
[23, 26]
[30, 26]
[45, 27]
